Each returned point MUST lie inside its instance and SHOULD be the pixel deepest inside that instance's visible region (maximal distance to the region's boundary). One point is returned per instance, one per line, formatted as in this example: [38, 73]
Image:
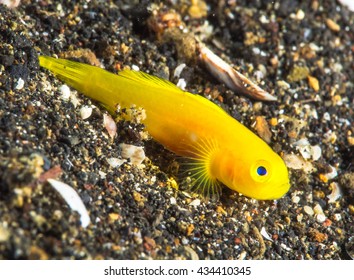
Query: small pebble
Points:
[308, 210]
[85, 112]
[332, 25]
[65, 92]
[110, 125]
[313, 83]
[265, 234]
[297, 163]
[179, 70]
[72, 198]
[173, 201]
[195, 202]
[4, 234]
[20, 84]
[182, 84]
[135, 154]
[115, 162]
[295, 199]
[335, 194]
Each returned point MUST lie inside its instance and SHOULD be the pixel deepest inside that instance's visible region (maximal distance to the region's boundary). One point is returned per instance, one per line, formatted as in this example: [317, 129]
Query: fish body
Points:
[221, 148]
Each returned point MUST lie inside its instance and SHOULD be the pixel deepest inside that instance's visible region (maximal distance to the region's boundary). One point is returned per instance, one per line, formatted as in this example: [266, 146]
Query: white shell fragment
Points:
[135, 154]
[72, 198]
[265, 234]
[20, 84]
[110, 125]
[65, 92]
[296, 162]
[115, 162]
[181, 84]
[85, 112]
[195, 202]
[179, 70]
[307, 151]
[308, 210]
[335, 194]
[319, 215]
[234, 80]
[332, 174]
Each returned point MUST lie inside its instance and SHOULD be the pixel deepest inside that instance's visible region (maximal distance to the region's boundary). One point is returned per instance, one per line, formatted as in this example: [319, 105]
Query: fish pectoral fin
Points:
[201, 180]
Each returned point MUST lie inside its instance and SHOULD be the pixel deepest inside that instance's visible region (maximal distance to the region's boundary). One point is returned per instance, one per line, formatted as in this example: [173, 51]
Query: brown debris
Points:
[262, 129]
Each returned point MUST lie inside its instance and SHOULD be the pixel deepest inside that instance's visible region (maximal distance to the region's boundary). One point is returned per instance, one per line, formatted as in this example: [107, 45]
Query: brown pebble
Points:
[273, 121]
[113, 216]
[331, 24]
[262, 129]
[149, 243]
[350, 140]
[221, 210]
[198, 9]
[316, 235]
[313, 83]
[190, 229]
[37, 253]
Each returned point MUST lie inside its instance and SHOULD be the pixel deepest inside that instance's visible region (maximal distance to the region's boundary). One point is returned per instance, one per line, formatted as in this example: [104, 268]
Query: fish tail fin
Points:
[73, 73]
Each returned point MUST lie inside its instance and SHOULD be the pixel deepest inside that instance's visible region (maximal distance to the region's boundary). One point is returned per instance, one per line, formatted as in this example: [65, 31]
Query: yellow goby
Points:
[221, 148]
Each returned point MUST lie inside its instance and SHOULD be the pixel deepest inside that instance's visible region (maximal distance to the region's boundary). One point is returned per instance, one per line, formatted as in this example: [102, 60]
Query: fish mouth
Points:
[278, 192]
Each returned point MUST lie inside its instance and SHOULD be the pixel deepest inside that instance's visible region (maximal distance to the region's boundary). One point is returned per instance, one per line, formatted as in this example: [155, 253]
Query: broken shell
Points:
[225, 73]
[110, 125]
[72, 198]
[335, 194]
[134, 153]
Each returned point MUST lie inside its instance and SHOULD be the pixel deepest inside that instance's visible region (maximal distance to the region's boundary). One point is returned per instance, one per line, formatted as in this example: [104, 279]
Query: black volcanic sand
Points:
[136, 211]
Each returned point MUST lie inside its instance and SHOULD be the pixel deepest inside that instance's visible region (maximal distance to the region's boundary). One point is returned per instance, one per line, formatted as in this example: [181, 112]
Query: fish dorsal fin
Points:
[148, 80]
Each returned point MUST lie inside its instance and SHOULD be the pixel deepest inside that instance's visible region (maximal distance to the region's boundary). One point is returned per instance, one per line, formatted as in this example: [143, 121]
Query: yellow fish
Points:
[221, 148]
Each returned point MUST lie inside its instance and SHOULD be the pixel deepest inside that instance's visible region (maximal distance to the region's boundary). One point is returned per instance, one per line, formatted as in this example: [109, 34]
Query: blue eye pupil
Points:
[261, 171]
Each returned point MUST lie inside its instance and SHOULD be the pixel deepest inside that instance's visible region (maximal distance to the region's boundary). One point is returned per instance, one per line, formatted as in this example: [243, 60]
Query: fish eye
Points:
[261, 170]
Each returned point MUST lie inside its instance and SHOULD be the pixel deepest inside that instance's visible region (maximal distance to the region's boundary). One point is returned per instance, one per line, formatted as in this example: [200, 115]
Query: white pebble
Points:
[135, 67]
[337, 217]
[102, 174]
[72, 198]
[195, 202]
[74, 100]
[115, 162]
[300, 15]
[182, 84]
[185, 241]
[295, 199]
[65, 92]
[327, 116]
[179, 70]
[173, 201]
[308, 210]
[318, 209]
[85, 112]
[316, 152]
[20, 84]
[320, 218]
